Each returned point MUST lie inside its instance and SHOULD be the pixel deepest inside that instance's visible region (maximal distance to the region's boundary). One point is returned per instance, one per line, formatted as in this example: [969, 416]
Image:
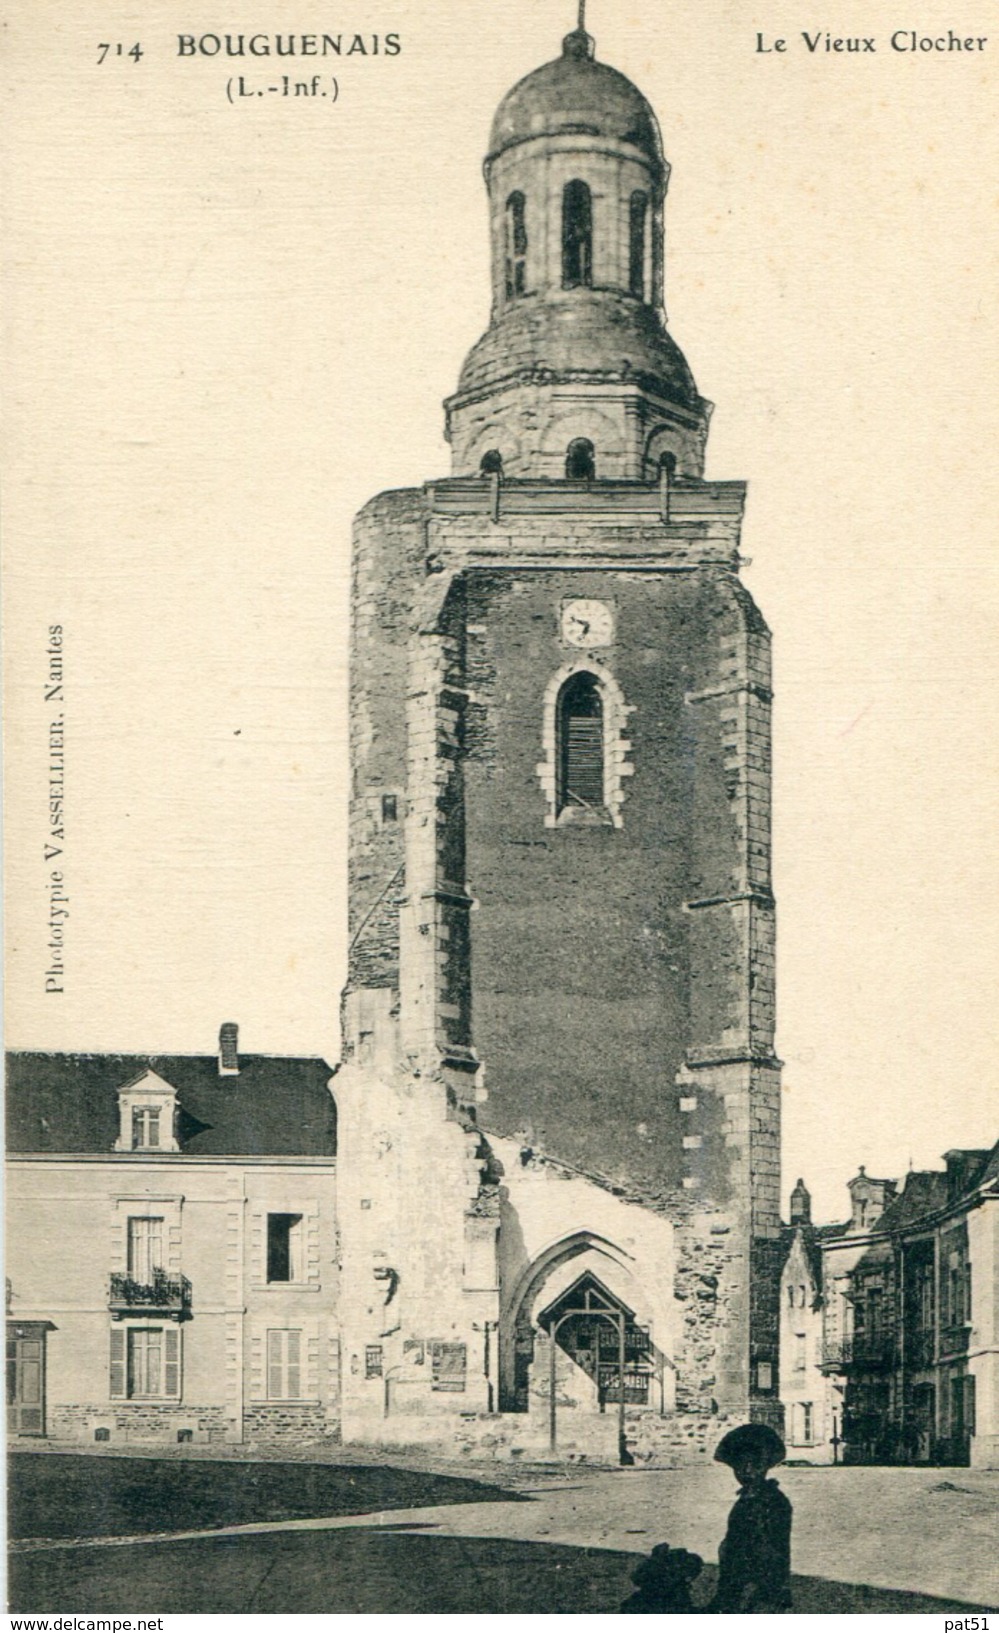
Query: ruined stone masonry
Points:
[559, 1100]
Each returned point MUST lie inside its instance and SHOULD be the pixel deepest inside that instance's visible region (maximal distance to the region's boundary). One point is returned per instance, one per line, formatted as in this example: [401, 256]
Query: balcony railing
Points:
[873, 1350]
[163, 1295]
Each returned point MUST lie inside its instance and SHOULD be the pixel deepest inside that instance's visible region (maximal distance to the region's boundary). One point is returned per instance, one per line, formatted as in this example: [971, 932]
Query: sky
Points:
[230, 322]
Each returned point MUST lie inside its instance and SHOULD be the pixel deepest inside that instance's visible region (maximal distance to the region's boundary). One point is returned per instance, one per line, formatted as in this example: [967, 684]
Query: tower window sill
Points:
[584, 816]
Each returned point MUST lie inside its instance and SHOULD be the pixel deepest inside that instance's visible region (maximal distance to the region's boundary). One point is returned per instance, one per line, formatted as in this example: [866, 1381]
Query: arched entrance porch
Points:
[582, 1343]
[602, 1339]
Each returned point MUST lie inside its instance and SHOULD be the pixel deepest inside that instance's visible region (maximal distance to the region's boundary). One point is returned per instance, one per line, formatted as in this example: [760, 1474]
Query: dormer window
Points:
[577, 235]
[145, 1128]
[147, 1115]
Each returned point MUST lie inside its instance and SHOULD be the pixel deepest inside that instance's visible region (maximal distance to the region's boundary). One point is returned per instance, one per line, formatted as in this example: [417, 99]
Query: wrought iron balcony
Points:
[164, 1295]
[868, 1350]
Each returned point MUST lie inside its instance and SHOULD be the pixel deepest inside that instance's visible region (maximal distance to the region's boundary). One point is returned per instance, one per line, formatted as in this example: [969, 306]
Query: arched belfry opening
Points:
[580, 729]
[577, 235]
[638, 213]
[580, 460]
[516, 246]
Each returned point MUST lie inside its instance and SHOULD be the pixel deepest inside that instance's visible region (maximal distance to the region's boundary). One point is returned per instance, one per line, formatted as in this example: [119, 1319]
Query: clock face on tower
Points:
[587, 623]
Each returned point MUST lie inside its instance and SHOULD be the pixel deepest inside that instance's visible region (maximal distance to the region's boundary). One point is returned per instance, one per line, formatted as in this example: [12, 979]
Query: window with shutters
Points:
[577, 234]
[145, 1363]
[580, 745]
[285, 1247]
[586, 749]
[145, 1249]
[801, 1423]
[284, 1364]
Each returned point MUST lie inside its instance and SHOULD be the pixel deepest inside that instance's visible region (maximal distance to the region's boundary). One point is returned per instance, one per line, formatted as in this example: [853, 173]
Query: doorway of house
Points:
[26, 1377]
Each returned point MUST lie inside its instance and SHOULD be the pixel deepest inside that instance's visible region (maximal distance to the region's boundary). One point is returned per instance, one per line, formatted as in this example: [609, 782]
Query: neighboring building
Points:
[811, 1420]
[919, 1355]
[842, 1247]
[559, 1098]
[171, 1257]
[906, 1296]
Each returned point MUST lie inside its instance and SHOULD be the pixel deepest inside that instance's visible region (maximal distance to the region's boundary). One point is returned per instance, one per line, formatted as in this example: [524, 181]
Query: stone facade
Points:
[559, 1099]
[900, 1312]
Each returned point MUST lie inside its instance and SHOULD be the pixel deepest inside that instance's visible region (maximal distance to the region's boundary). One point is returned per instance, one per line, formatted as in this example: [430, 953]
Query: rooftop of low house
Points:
[263, 1106]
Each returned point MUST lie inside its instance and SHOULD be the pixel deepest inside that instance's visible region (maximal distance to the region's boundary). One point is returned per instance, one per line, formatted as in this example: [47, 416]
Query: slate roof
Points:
[927, 1191]
[810, 1238]
[276, 1106]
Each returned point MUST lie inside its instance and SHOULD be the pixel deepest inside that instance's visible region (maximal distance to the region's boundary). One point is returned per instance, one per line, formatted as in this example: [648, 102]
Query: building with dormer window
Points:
[172, 1269]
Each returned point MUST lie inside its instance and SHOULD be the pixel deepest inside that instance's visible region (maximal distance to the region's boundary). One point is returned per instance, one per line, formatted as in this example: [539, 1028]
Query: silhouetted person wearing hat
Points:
[663, 1582]
[754, 1560]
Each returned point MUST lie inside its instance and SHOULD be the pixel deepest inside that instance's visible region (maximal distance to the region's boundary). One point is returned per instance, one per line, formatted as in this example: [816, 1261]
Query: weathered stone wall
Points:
[389, 549]
[141, 1423]
[282, 1423]
[616, 978]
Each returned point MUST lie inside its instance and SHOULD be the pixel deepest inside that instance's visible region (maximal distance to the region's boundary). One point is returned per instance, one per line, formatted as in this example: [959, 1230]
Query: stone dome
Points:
[601, 334]
[575, 95]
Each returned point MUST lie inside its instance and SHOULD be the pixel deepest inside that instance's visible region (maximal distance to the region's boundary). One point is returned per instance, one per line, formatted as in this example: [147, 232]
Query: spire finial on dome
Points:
[579, 43]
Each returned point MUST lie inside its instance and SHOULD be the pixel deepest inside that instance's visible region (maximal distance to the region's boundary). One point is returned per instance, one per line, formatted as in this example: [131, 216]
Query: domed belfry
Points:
[559, 1099]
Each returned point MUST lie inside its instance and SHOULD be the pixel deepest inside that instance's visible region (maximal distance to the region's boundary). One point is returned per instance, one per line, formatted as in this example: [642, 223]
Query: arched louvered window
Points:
[638, 216]
[580, 460]
[516, 246]
[577, 234]
[580, 728]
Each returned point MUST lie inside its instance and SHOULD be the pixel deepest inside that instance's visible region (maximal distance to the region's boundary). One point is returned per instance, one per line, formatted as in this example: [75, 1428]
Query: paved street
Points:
[150, 1535]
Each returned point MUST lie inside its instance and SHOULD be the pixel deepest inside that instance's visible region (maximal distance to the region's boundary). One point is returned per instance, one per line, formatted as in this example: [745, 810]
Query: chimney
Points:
[228, 1049]
[801, 1205]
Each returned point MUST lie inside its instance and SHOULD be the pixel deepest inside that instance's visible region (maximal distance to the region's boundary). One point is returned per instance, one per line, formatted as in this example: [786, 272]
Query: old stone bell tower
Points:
[559, 1101]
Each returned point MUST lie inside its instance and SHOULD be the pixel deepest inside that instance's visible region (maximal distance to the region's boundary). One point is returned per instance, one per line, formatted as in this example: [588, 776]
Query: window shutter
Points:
[582, 747]
[117, 1389]
[294, 1364]
[585, 771]
[171, 1362]
[275, 1367]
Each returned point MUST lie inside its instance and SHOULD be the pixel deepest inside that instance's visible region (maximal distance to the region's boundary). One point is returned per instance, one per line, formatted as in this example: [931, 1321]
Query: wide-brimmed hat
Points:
[751, 1440]
[666, 1563]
